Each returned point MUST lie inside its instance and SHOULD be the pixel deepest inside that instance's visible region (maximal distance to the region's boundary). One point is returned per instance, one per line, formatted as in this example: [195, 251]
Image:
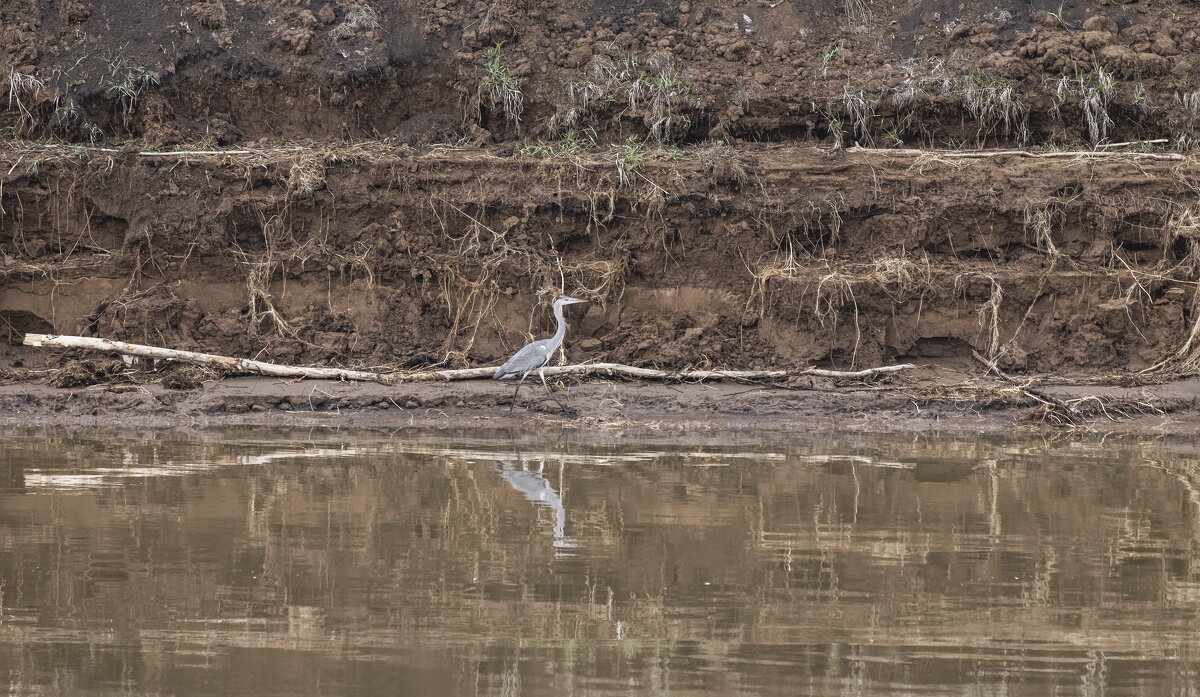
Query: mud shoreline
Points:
[936, 401]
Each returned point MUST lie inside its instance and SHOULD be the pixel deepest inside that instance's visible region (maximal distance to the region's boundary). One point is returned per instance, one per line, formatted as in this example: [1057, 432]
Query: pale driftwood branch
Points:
[240, 365]
[185, 153]
[1108, 146]
[1102, 151]
[865, 373]
[252, 367]
[156, 153]
[1050, 154]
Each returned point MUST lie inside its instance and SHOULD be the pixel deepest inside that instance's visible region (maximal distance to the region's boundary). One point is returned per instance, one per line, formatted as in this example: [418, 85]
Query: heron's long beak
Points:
[572, 301]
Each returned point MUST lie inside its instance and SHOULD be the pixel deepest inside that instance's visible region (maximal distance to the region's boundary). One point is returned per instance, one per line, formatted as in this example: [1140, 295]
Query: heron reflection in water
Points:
[536, 488]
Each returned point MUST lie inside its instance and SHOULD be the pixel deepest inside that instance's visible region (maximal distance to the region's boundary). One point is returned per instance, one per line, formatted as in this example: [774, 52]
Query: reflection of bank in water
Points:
[119, 467]
[536, 489]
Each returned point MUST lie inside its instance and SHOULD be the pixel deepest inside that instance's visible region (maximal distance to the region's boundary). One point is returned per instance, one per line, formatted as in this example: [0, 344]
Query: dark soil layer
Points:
[925, 72]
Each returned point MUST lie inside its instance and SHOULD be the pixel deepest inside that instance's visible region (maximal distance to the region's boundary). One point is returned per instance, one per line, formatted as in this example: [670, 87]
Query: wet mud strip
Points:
[930, 402]
[393, 185]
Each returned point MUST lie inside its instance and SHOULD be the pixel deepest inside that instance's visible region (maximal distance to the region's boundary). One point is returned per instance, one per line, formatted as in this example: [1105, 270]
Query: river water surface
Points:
[283, 562]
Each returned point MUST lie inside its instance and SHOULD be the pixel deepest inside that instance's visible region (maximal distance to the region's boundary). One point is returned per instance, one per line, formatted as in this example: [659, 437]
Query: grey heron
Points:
[536, 356]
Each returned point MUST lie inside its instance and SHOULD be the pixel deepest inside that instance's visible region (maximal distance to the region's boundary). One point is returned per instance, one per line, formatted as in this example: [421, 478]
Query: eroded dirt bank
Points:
[401, 184]
[759, 256]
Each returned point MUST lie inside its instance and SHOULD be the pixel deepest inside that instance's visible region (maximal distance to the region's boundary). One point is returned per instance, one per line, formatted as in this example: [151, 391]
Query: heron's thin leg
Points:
[515, 391]
[542, 375]
[513, 401]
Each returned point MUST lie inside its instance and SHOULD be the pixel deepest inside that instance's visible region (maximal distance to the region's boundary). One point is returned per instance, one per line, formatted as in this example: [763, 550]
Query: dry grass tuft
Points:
[1094, 92]
[469, 302]
[597, 281]
[261, 269]
[992, 101]
[969, 391]
[723, 163]
[24, 91]
[1051, 415]
[834, 291]
[988, 313]
[859, 108]
[858, 15]
[500, 87]
[901, 277]
[359, 19]
[1182, 223]
[785, 268]
[654, 89]
[1042, 222]
[306, 176]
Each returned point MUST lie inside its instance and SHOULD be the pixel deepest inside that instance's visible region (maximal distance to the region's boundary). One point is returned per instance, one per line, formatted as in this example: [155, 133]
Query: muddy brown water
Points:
[285, 562]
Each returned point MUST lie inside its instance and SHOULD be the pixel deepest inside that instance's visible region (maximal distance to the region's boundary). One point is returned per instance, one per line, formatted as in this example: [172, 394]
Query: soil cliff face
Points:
[754, 256]
[404, 183]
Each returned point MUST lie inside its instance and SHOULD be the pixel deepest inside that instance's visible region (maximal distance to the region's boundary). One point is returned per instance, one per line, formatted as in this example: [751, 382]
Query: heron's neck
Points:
[562, 323]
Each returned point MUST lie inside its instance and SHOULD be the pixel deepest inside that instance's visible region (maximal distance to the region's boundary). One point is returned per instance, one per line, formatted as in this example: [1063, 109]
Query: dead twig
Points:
[1071, 413]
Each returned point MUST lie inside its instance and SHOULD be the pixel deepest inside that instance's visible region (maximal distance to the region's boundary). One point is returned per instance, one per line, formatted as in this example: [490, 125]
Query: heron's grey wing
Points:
[531, 357]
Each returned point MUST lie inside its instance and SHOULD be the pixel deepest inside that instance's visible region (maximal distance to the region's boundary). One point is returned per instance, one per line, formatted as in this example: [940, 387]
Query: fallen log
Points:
[237, 365]
[246, 366]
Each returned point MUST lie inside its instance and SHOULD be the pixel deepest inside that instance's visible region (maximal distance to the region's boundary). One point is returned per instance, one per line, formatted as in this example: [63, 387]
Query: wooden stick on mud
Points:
[239, 365]
[185, 153]
[1048, 154]
[1110, 146]
[1037, 395]
[247, 366]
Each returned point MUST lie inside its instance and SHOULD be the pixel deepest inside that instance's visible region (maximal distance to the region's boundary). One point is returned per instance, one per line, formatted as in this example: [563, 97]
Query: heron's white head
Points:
[567, 300]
